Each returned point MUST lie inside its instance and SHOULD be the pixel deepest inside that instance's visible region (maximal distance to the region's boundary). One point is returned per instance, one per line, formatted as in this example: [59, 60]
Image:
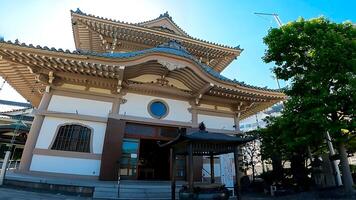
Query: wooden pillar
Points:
[237, 177]
[32, 136]
[198, 167]
[237, 121]
[191, 168]
[212, 175]
[173, 176]
[112, 148]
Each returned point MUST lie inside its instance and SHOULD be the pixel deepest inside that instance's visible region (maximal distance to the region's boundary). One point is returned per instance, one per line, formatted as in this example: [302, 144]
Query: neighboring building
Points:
[100, 110]
[252, 152]
[14, 127]
[257, 120]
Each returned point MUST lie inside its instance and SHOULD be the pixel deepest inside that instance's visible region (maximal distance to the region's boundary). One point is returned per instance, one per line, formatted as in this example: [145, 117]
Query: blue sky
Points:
[230, 22]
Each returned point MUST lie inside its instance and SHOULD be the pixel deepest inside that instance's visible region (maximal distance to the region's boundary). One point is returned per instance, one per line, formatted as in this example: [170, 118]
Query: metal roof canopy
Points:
[204, 143]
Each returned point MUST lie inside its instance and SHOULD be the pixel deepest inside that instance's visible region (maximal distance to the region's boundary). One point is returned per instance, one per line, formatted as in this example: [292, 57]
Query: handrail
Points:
[206, 171]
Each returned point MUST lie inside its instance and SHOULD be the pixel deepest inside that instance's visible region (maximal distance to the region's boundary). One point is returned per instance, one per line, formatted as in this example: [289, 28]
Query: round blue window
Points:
[158, 109]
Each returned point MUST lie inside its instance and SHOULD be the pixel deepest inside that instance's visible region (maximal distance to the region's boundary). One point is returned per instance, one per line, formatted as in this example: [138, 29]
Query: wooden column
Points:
[212, 175]
[191, 168]
[198, 167]
[173, 175]
[237, 121]
[237, 177]
[32, 137]
[112, 148]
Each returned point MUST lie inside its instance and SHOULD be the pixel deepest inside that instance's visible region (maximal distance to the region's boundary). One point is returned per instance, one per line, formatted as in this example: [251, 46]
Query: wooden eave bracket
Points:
[202, 91]
[120, 78]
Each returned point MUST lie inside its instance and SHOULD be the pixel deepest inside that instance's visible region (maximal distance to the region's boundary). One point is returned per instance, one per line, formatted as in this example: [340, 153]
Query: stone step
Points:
[102, 192]
[146, 194]
[152, 190]
[106, 189]
[146, 186]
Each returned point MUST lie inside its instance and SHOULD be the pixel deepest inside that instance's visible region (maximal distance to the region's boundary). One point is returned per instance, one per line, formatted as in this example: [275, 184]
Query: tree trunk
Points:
[299, 171]
[253, 172]
[345, 168]
[278, 171]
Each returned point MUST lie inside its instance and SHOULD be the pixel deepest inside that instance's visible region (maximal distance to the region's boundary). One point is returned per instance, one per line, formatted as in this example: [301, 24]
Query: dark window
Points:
[138, 129]
[72, 138]
[169, 132]
[158, 109]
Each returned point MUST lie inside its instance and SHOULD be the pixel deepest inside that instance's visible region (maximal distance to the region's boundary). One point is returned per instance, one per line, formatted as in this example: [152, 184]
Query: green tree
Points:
[318, 58]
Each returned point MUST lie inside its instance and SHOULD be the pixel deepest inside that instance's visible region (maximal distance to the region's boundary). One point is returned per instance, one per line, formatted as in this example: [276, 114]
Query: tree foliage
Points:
[318, 58]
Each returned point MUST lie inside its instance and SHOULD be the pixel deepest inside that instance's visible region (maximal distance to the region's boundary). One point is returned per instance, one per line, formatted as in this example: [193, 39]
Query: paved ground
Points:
[18, 194]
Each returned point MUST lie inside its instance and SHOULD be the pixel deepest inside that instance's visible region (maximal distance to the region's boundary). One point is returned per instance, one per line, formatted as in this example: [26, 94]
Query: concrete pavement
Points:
[18, 194]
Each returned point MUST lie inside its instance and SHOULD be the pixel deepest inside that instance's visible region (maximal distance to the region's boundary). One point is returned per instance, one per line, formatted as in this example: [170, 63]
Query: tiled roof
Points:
[172, 47]
[78, 11]
[166, 15]
[17, 117]
[14, 103]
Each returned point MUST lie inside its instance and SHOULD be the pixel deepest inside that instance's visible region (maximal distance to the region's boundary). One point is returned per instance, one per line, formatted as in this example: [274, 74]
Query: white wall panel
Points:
[136, 105]
[65, 165]
[49, 128]
[80, 106]
[215, 122]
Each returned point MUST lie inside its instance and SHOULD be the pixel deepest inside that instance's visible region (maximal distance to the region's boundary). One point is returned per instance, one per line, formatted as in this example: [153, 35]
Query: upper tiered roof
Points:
[98, 34]
[115, 55]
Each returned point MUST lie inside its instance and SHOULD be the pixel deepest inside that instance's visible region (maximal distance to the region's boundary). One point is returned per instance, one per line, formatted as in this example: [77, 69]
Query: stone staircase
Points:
[154, 190]
[106, 192]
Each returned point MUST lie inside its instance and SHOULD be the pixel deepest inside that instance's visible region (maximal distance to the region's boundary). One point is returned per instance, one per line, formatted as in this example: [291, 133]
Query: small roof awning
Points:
[20, 127]
[206, 143]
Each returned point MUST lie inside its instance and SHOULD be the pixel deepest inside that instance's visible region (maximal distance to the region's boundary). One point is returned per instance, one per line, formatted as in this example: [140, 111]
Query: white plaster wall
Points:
[80, 106]
[215, 122]
[49, 128]
[65, 165]
[136, 105]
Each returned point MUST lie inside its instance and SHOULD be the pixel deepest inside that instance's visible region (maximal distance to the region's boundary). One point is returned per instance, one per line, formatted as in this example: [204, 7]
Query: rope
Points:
[3, 83]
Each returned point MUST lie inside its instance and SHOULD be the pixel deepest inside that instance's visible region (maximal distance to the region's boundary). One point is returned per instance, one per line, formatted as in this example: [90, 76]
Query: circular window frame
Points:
[153, 115]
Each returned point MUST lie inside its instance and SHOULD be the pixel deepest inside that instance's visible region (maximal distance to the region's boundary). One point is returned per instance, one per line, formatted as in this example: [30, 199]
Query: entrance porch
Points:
[131, 152]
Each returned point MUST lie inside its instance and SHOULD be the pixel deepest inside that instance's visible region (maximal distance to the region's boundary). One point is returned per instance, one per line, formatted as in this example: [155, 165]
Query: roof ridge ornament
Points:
[202, 127]
[79, 11]
[165, 15]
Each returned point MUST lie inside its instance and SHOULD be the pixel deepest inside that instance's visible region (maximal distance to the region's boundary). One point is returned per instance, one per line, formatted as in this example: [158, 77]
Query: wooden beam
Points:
[237, 177]
[191, 168]
[212, 175]
[173, 174]
[120, 78]
[202, 91]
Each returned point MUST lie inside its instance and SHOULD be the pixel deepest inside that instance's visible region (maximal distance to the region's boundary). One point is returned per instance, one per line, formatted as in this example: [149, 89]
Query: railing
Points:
[207, 172]
[232, 189]
[13, 164]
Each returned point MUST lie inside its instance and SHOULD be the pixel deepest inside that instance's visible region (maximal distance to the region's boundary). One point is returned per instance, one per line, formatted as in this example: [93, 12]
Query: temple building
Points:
[101, 110]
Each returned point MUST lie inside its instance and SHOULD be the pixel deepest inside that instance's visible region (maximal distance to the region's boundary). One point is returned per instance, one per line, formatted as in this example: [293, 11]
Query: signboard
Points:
[227, 169]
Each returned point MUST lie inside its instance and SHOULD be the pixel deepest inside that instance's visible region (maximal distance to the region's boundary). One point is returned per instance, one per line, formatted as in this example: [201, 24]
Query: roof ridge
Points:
[166, 15]
[173, 46]
[80, 12]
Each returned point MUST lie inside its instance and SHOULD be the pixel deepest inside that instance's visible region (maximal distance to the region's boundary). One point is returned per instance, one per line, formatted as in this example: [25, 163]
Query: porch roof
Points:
[206, 143]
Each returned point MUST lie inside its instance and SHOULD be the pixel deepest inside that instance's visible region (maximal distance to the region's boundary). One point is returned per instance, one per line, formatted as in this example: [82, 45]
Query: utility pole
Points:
[334, 163]
[328, 139]
[279, 22]
[275, 16]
